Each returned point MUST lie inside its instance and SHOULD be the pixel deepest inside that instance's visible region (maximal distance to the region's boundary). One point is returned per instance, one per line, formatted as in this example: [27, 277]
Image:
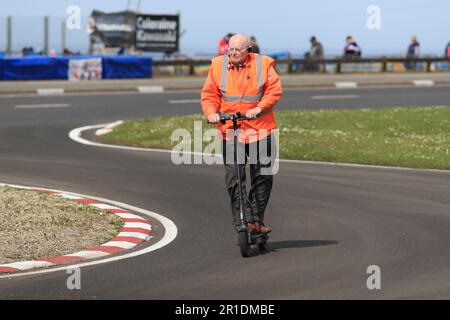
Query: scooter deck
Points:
[259, 238]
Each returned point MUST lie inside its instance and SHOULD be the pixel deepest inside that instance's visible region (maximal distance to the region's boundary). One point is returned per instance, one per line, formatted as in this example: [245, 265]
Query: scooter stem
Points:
[238, 169]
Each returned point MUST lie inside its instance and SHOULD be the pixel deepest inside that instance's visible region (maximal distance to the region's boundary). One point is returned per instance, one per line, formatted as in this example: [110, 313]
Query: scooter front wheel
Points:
[244, 243]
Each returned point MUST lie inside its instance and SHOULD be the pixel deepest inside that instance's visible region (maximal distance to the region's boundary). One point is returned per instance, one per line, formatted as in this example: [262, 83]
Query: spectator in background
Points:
[316, 50]
[254, 45]
[447, 51]
[351, 50]
[315, 53]
[413, 49]
[67, 52]
[413, 53]
[223, 44]
[168, 55]
[27, 51]
[121, 51]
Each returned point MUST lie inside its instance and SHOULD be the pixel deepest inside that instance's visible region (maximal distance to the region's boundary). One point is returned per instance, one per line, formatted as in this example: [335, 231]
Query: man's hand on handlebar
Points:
[253, 113]
[213, 118]
[217, 117]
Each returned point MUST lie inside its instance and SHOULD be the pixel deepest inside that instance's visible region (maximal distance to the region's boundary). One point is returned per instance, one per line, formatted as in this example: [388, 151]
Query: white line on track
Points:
[335, 96]
[423, 83]
[50, 91]
[75, 135]
[150, 89]
[184, 101]
[345, 84]
[169, 234]
[42, 106]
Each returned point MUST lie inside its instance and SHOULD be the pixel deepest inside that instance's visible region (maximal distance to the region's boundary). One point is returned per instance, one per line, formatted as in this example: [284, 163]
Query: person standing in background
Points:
[254, 45]
[121, 50]
[316, 50]
[351, 50]
[413, 53]
[315, 53]
[413, 49]
[223, 44]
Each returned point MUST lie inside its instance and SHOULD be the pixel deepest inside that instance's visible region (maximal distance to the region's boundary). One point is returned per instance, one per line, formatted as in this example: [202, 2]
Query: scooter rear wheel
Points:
[244, 244]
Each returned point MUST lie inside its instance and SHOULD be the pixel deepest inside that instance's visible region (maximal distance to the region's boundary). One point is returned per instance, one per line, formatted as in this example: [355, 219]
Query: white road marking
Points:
[42, 106]
[423, 83]
[129, 216]
[133, 235]
[139, 225]
[24, 265]
[50, 91]
[88, 254]
[184, 101]
[109, 128]
[75, 135]
[336, 96]
[150, 89]
[119, 244]
[103, 206]
[68, 196]
[344, 85]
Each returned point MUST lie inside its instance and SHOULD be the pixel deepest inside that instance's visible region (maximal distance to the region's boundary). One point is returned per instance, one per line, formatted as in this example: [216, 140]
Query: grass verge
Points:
[415, 137]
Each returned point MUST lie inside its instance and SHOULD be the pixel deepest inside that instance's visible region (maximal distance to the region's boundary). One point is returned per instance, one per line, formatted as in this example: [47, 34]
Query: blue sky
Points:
[278, 25]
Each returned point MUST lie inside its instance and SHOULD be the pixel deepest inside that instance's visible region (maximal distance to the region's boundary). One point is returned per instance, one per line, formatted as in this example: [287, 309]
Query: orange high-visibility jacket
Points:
[230, 89]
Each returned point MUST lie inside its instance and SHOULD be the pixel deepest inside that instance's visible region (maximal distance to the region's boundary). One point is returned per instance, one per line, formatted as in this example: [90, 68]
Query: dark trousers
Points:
[261, 156]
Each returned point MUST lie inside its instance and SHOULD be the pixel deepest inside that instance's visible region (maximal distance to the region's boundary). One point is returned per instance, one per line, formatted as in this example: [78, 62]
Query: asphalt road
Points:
[330, 222]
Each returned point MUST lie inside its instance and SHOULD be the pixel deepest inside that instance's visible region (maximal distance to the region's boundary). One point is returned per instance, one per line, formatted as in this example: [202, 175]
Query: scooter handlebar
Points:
[223, 116]
[226, 116]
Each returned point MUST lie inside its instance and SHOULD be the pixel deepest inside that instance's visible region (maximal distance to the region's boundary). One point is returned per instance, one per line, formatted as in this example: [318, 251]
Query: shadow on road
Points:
[299, 244]
[277, 245]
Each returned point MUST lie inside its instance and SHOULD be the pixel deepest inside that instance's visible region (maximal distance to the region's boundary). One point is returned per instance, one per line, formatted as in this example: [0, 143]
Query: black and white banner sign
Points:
[157, 32]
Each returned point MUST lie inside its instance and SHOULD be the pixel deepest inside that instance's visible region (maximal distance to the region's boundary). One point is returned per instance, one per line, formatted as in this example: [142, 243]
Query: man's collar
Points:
[236, 66]
[245, 64]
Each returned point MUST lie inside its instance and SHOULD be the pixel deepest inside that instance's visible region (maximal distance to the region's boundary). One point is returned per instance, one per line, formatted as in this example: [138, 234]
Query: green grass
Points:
[407, 137]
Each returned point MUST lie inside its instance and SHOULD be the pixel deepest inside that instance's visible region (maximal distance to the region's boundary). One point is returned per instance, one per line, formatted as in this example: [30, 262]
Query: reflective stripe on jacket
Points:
[230, 89]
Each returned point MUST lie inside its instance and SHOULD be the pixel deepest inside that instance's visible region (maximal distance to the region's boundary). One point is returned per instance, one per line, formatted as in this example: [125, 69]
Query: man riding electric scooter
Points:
[244, 83]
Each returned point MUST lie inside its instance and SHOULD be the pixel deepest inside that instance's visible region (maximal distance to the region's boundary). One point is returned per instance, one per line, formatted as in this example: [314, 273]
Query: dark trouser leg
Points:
[259, 192]
[261, 185]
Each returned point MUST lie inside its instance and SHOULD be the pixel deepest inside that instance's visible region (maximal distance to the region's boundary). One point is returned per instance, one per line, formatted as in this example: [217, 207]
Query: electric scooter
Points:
[246, 239]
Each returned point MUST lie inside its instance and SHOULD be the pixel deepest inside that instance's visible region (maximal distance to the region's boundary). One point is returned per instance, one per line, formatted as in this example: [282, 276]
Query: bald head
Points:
[239, 40]
[237, 48]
